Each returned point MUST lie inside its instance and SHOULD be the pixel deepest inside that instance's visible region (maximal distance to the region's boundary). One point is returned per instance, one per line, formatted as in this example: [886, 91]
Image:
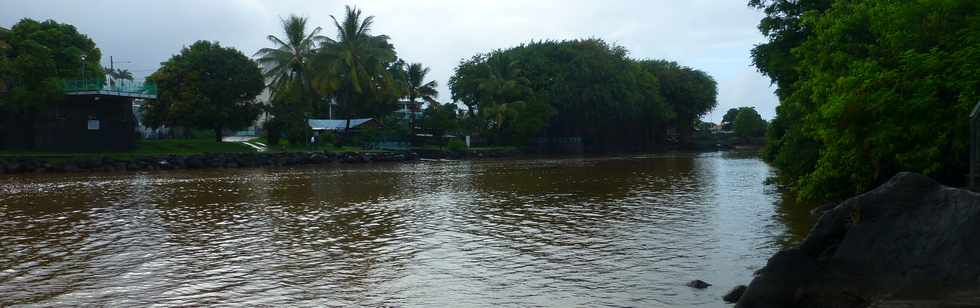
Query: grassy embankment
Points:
[204, 145]
[143, 148]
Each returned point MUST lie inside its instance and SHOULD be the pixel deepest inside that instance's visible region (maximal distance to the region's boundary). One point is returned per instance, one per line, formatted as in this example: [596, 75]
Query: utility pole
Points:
[112, 69]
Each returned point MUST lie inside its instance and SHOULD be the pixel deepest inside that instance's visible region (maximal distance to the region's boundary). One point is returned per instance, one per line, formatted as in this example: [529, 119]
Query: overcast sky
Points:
[711, 35]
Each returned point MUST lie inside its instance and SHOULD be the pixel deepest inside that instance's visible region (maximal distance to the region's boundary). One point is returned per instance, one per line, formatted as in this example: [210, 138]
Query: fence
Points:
[121, 86]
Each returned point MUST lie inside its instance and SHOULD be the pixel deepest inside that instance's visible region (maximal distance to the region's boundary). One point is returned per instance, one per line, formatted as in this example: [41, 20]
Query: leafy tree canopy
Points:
[440, 119]
[579, 88]
[882, 87]
[206, 86]
[748, 123]
[37, 57]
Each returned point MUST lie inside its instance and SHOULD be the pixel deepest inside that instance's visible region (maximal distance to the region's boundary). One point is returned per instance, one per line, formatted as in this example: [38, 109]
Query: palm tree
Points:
[502, 90]
[354, 63]
[122, 74]
[290, 58]
[418, 88]
[4, 35]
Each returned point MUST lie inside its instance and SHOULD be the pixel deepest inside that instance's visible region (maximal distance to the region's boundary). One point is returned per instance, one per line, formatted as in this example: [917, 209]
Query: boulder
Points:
[733, 295]
[909, 240]
[698, 284]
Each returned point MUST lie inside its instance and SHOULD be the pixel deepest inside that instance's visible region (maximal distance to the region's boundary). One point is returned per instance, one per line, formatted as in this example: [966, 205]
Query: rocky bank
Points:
[909, 243]
[56, 164]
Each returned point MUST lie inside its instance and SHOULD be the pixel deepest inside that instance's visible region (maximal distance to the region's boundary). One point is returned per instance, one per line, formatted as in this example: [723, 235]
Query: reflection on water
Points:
[623, 231]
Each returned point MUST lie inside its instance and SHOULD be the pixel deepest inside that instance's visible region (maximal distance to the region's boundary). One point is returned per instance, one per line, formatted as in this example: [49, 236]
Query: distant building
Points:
[320, 125]
[404, 111]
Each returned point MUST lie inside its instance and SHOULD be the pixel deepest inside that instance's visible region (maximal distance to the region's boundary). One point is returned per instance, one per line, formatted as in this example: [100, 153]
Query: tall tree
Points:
[4, 38]
[206, 86]
[749, 124]
[4, 70]
[287, 69]
[729, 118]
[119, 74]
[37, 57]
[583, 90]
[692, 93]
[788, 145]
[418, 88]
[289, 58]
[881, 87]
[353, 66]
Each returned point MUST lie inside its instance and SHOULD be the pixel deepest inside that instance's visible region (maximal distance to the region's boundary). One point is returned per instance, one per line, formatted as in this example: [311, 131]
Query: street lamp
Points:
[83, 70]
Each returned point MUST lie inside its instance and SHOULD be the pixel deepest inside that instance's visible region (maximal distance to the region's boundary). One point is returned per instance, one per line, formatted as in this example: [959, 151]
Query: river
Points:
[558, 232]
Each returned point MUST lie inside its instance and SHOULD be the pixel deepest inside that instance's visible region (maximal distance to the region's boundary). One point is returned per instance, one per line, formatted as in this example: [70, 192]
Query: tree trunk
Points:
[411, 108]
[217, 133]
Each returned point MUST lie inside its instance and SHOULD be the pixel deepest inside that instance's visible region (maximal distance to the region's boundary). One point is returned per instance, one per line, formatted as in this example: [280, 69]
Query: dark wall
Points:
[64, 127]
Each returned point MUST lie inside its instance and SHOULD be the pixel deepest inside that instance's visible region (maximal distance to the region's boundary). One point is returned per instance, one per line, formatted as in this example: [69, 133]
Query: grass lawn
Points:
[202, 145]
[187, 147]
[147, 148]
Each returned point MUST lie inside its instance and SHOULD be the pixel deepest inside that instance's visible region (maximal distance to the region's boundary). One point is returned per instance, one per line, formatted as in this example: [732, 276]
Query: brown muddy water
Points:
[593, 232]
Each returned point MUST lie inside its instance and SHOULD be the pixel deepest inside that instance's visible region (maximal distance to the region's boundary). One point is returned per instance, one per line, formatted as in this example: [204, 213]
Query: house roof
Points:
[321, 124]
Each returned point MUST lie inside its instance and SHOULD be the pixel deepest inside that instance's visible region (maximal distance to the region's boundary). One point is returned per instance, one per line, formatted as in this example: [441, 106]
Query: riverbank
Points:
[108, 162]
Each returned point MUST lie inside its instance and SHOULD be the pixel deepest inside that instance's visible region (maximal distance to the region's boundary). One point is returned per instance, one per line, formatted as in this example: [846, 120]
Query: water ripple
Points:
[611, 232]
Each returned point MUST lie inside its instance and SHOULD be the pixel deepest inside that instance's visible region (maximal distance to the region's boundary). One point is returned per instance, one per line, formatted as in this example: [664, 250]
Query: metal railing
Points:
[121, 86]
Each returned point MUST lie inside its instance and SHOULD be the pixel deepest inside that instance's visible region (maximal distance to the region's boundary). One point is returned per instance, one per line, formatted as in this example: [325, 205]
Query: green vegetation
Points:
[150, 148]
[119, 74]
[353, 69]
[689, 93]
[187, 147]
[745, 121]
[580, 88]
[35, 59]
[354, 74]
[749, 124]
[206, 86]
[869, 88]
[441, 119]
[286, 67]
[417, 88]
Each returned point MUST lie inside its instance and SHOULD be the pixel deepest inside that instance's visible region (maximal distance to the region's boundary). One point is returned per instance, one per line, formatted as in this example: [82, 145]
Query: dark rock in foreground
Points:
[909, 243]
[733, 295]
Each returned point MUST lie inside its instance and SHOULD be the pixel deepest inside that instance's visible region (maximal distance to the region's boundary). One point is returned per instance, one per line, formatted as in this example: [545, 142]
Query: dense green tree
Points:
[35, 60]
[691, 93]
[880, 87]
[464, 84]
[749, 124]
[440, 119]
[354, 67]
[784, 30]
[4, 38]
[206, 86]
[580, 88]
[39, 57]
[730, 116]
[4, 69]
[418, 88]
